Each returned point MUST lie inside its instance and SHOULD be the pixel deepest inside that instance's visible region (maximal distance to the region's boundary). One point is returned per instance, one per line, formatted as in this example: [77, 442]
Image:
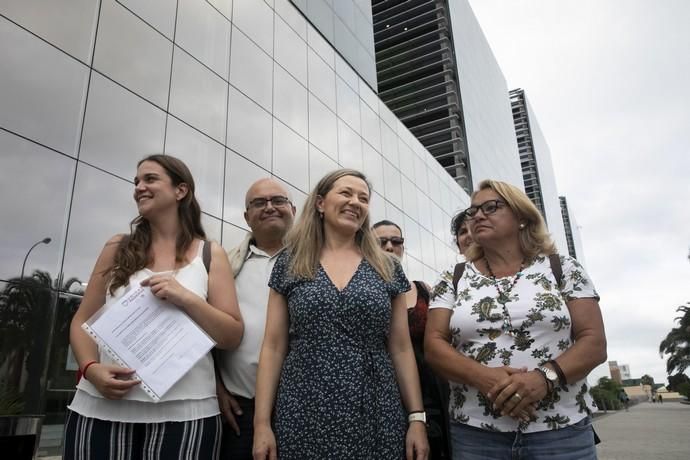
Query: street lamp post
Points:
[43, 241]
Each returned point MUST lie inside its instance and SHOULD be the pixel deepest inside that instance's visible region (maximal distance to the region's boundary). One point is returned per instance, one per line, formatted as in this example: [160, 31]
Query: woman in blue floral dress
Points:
[337, 368]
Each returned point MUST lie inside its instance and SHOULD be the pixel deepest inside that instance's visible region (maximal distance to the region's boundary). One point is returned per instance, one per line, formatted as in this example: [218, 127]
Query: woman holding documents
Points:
[336, 360]
[111, 415]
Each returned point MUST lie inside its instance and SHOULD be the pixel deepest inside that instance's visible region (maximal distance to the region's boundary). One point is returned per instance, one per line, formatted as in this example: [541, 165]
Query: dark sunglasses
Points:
[395, 240]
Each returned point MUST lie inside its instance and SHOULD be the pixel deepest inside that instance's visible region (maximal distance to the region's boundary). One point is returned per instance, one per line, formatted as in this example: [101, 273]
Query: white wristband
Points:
[417, 417]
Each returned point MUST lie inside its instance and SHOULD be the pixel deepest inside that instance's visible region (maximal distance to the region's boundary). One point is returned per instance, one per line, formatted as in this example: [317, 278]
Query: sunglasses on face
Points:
[395, 240]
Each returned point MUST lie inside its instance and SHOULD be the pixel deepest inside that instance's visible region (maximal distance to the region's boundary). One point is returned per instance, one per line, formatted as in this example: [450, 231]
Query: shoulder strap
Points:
[422, 290]
[457, 274]
[206, 255]
[556, 268]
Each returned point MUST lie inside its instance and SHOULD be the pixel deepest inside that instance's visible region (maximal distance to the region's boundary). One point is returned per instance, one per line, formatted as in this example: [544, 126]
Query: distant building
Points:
[625, 371]
[537, 169]
[438, 75]
[615, 372]
[572, 232]
[568, 227]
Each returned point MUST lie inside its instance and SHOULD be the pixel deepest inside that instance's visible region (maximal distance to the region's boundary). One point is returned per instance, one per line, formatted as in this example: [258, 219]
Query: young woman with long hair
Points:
[336, 363]
[111, 417]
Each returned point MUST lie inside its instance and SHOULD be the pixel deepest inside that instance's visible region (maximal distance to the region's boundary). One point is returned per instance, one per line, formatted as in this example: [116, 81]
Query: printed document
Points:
[154, 337]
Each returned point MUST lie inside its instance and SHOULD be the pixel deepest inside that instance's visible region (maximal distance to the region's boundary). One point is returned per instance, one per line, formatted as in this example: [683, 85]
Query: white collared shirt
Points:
[238, 367]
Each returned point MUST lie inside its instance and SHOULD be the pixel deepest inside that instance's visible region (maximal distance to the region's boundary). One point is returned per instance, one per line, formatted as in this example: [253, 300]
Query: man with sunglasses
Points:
[434, 392]
[269, 213]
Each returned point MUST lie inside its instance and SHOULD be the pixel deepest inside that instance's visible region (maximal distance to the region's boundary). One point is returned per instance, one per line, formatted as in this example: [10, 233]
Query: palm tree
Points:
[677, 343]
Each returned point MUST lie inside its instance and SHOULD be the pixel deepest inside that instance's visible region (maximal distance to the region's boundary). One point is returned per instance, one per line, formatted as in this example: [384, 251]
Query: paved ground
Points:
[647, 432]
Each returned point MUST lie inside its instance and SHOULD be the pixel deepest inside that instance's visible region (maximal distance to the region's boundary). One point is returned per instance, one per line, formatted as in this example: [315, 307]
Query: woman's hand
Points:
[491, 377]
[111, 381]
[264, 444]
[519, 392]
[167, 288]
[416, 442]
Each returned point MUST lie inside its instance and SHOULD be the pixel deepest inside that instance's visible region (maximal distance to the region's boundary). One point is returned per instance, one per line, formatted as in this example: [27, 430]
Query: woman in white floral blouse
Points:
[515, 344]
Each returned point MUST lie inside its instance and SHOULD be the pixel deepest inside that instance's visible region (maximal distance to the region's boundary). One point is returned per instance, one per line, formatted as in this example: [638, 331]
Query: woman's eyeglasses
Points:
[487, 207]
[395, 240]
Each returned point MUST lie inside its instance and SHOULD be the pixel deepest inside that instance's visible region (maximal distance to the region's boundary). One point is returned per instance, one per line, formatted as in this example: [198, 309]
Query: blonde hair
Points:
[534, 238]
[307, 238]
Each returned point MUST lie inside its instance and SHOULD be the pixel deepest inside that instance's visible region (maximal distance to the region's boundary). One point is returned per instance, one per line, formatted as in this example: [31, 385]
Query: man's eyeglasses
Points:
[395, 241]
[276, 201]
[487, 207]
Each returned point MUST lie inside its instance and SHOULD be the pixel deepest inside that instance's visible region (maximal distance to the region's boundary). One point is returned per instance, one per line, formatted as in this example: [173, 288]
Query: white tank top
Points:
[192, 397]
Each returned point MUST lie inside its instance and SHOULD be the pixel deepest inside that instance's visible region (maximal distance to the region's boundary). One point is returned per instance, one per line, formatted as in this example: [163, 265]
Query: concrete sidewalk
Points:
[646, 432]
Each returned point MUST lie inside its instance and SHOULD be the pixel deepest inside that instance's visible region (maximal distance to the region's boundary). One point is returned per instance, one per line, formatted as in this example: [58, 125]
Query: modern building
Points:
[238, 89]
[437, 73]
[615, 372]
[537, 169]
[568, 226]
[625, 371]
[572, 232]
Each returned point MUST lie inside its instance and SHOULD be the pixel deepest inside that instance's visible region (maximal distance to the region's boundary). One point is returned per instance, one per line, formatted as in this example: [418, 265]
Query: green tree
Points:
[684, 389]
[675, 380]
[677, 343]
[647, 380]
[605, 394]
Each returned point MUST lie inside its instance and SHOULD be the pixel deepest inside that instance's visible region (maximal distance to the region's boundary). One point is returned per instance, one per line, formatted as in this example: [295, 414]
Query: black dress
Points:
[434, 390]
[338, 396]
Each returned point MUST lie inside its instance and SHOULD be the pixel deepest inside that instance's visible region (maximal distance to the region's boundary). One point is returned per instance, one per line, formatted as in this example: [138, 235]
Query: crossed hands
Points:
[515, 392]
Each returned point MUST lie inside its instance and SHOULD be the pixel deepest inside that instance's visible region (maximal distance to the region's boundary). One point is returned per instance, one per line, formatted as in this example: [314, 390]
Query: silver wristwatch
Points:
[550, 375]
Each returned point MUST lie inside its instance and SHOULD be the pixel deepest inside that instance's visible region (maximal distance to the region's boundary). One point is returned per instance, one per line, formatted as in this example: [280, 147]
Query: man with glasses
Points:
[269, 214]
[390, 237]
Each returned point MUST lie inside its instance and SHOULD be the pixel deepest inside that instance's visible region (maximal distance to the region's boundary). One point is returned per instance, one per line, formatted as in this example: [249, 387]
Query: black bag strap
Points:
[206, 258]
[206, 255]
[457, 274]
[556, 268]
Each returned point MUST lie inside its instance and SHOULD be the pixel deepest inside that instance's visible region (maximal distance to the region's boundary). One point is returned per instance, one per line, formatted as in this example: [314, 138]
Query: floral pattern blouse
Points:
[534, 328]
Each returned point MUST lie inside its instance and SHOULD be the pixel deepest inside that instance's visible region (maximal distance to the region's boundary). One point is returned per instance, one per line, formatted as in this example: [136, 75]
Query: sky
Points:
[609, 82]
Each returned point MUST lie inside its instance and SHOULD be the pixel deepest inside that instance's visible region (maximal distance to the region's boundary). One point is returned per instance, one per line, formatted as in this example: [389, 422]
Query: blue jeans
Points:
[574, 442]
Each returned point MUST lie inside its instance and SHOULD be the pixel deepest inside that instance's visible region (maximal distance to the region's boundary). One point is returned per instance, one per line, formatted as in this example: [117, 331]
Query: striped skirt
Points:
[93, 439]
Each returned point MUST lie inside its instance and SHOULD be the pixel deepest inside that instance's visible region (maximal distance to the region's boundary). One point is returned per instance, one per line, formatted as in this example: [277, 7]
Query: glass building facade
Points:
[438, 74]
[537, 168]
[572, 231]
[238, 89]
[491, 143]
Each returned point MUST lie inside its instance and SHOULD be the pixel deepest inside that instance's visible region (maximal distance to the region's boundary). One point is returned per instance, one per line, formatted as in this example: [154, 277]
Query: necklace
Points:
[504, 297]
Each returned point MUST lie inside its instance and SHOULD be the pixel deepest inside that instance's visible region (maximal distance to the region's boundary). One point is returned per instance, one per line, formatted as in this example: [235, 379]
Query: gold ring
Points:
[517, 396]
